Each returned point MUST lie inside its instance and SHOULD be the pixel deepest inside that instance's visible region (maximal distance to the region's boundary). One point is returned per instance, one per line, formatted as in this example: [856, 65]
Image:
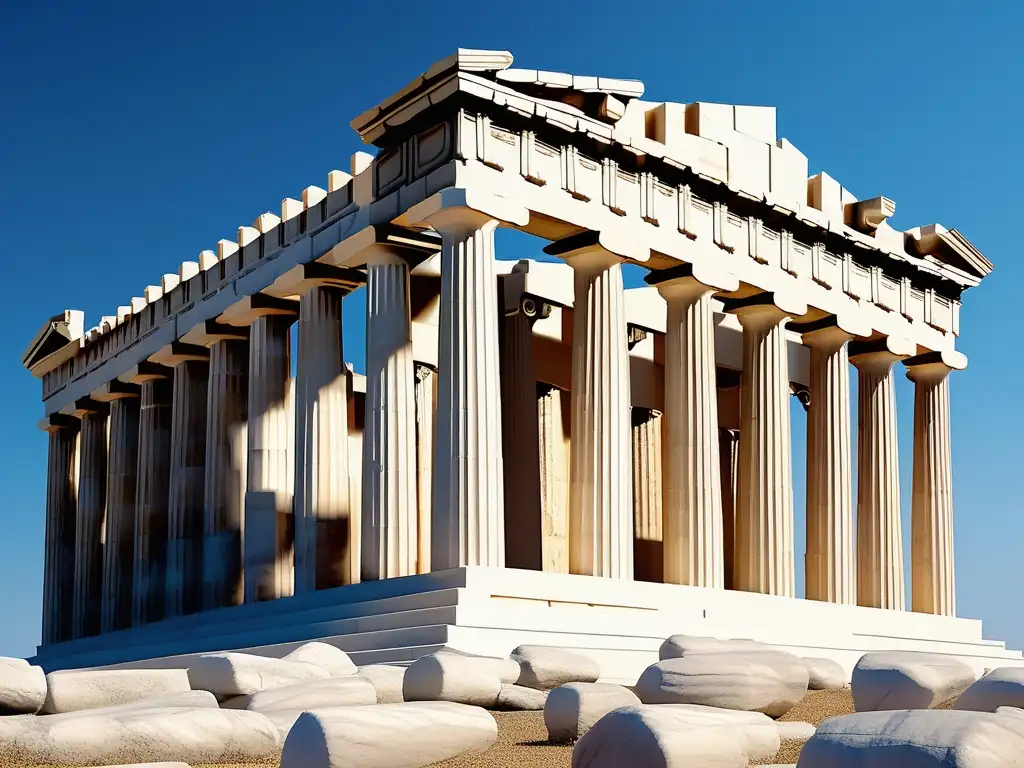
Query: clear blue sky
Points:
[134, 135]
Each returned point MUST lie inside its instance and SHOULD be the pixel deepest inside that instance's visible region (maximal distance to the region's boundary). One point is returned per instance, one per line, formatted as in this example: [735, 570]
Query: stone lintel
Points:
[209, 332]
[245, 311]
[84, 406]
[412, 245]
[896, 347]
[303, 277]
[179, 352]
[934, 364]
[145, 371]
[56, 421]
[115, 389]
[589, 241]
[784, 302]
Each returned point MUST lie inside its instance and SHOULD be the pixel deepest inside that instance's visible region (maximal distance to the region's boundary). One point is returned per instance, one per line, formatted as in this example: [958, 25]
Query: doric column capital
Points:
[880, 354]
[592, 251]
[250, 308]
[209, 332]
[689, 281]
[831, 332]
[762, 310]
[114, 389]
[932, 367]
[86, 406]
[384, 244]
[58, 421]
[145, 371]
[179, 352]
[457, 212]
[302, 278]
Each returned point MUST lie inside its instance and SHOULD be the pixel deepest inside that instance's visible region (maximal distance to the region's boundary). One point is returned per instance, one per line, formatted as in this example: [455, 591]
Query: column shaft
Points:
[880, 581]
[61, 513]
[390, 541]
[764, 515]
[426, 414]
[468, 525]
[269, 522]
[601, 493]
[152, 496]
[119, 543]
[553, 437]
[931, 522]
[830, 570]
[648, 547]
[323, 519]
[188, 483]
[92, 509]
[693, 486]
[225, 473]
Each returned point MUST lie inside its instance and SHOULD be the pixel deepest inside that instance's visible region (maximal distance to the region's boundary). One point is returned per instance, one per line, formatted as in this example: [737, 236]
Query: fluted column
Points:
[829, 568]
[694, 552]
[764, 514]
[553, 437]
[601, 490]
[931, 521]
[269, 521]
[225, 475]
[92, 510]
[390, 541]
[728, 462]
[119, 539]
[880, 581]
[648, 539]
[188, 483]
[324, 543]
[61, 513]
[426, 414]
[152, 496]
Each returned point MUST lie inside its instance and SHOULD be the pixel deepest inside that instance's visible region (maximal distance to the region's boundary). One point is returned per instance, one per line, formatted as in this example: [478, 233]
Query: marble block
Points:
[545, 668]
[519, 697]
[239, 674]
[916, 739]
[449, 677]
[334, 660]
[572, 709]
[182, 700]
[387, 735]
[13, 662]
[825, 675]
[1003, 687]
[677, 646]
[332, 692]
[907, 680]
[72, 690]
[507, 670]
[795, 731]
[188, 734]
[387, 679]
[22, 689]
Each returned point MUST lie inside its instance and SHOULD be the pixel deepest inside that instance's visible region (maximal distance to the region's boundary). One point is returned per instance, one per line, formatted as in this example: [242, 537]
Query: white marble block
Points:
[545, 668]
[506, 669]
[22, 689]
[825, 675]
[333, 692]
[74, 690]
[521, 698]
[1003, 687]
[334, 660]
[386, 679]
[678, 646]
[450, 677]
[387, 735]
[907, 680]
[916, 739]
[193, 735]
[239, 674]
[572, 709]
[181, 700]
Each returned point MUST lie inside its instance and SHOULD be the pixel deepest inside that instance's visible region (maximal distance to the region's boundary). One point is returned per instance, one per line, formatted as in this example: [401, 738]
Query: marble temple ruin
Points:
[539, 452]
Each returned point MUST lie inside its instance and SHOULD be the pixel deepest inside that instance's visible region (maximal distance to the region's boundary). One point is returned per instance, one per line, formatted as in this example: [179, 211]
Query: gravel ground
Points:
[522, 738]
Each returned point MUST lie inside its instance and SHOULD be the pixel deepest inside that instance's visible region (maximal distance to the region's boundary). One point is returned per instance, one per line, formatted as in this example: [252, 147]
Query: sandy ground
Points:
[522, 738]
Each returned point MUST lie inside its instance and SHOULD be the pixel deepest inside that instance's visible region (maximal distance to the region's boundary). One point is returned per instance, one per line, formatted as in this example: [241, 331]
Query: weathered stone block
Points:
[73, 690]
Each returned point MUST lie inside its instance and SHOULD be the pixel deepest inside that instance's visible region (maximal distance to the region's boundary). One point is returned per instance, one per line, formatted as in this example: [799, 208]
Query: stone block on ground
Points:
[1003, 687]
[907, 680]
[668, 736]
[387, 735]
[152, 735]
[334, 660]
[677, 646]
[22, 689]
[68, 691]
[916, 739]
[386, 679]
[756, 681]
[546, 668]
[507, 670]
[11, 661]
[332, 692]
[795, 731]
[825, 675]
[572, 709]
[239, 674]
[183, 700]
[451, 677]
[521, 698]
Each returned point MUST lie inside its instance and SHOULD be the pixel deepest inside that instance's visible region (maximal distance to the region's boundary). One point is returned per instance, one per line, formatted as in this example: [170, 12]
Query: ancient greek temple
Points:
[535, 453]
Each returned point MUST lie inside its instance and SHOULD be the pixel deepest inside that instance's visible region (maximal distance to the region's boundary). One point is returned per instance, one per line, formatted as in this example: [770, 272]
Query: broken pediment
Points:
[949, 247]
[58, 334]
